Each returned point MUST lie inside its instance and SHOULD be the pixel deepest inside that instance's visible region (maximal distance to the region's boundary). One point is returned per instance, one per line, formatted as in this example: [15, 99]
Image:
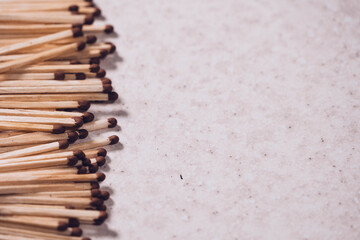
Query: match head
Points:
[72, 136]
[78, 122]
[113, 96]
[96, 202]
[95, 193]
[83, 133]
[63, 144]
[106, 81]
[113, 139]
[100, 161]
[94, 61]
[103, 53]
[102, 208]
[74, 222]
[79, 76]
[77, 25]
[88, 117]
[59, 76]
[103, 216]
[107, 88]
[73, 8]
[79, 154]
[95, 185]
[101, 73]
[90, 39]
[57, 129]
[89, 19]
[102, 152]
[83, 105]
[62, 226]
[76, 232]
[93, 168]
[82, 170]
[112, 122]
[86, 162]
[94, 68]
[105, 195]
[72, 160]
[97, 12]
[109, 29]
[77, 32]
[81, 45]
[112, 47]
[100, 177]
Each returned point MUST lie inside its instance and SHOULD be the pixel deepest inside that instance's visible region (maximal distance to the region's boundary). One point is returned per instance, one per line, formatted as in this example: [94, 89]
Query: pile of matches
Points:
[49, 75]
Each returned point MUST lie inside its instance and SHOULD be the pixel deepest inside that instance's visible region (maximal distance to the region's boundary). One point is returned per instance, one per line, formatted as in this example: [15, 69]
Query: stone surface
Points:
[240, 119]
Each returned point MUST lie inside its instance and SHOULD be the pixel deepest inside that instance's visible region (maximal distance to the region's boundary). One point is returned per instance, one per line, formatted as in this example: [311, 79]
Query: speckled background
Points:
[254, 103]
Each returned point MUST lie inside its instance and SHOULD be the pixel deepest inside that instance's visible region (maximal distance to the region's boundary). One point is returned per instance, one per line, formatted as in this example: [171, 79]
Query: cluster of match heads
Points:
[49, 75]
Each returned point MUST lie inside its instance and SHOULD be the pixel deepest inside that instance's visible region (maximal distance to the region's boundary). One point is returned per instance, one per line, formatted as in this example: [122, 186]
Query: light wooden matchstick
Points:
[97, 97]
[45, 156]
[91, 153]
[95, 143]
[33, 83]
[67, 122]
[100, 124]
[37, 57]
[33, 18]
[92, 193]
[33, 76]
[22, 126]
[62, 68]
[80, 105]
[57, 89]
[42, 222]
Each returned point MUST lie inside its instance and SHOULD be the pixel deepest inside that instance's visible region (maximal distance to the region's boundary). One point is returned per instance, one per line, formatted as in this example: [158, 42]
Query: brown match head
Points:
[78, 122]
[80, 76]
[100, 177]
[88, 117]
[77, 25]
[94, 61]
[79, 154]
[107, 88]
[113, 96]
[112, 122]
[73, 8]
[102, 152]
[72, 160]
[81, 45]
[63, 144]
[83, 105]
[62, 226]
[83, 133]
[97, 12]
[100, 161]
[86, 162]
[77, 32]
[106, 81]
[89, 19]
[96, 202]
[112, 47]
[76, 232]
[109, 29]
[94, 68]
[95, 185]
[72, 137]
[113, 139]
[103, 216]
[90, 39]
[74, 222]
[74, 62]
[82, 170]
[93, 168]
[86, 238]
[103, 53]
[59, 76]
[95, 193]
[105, 195]
[101, 73]
[57, 129]
[101, 208]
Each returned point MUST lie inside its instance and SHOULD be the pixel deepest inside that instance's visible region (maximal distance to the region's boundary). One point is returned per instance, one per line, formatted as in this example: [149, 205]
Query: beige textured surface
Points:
[254, 103]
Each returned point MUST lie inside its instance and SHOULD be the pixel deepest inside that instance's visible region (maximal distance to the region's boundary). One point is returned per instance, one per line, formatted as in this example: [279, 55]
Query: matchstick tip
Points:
[86, 162]
[112, 47]
[107, 88]
[89, 19]
[77, 25]
[74, 222]
[103, 53]
[103, 216]
[79, 154]
[83, 133]
[73, 8]
[78, 122]
[96, 202]
[101, 73]
[62, 226]
[95, 193]
[94, 61]
[113, 139]
[80, 76]
[105, 195]
[97, 12]
[100, 177]
[106, 81]
[88, 117]
[81, 45]
[72, 137]
[113, 96]
[90, 39]
[93, 168]
[100, 161]
[94, 68]
[102, 152]
[112, 122]
[109, 29]
[57, 129]
[83, 105]
[77, 32]
[72, 160]
[82, 170]
[76, 232]
[59, 75]
[95, 185]
[102, 208]
[63, 144]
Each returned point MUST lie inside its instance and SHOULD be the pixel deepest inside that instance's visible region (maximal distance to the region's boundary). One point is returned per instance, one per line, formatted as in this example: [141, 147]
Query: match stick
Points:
[55, 224]
[75, 122]
[95, 143]
[80, 105]
[32, 76]
[22, 126]
[33, 18]
[96, 97]
[91, 153]
[61, 68]
[57, 89]
[100, 124]
[44, 156]
[33, 83]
